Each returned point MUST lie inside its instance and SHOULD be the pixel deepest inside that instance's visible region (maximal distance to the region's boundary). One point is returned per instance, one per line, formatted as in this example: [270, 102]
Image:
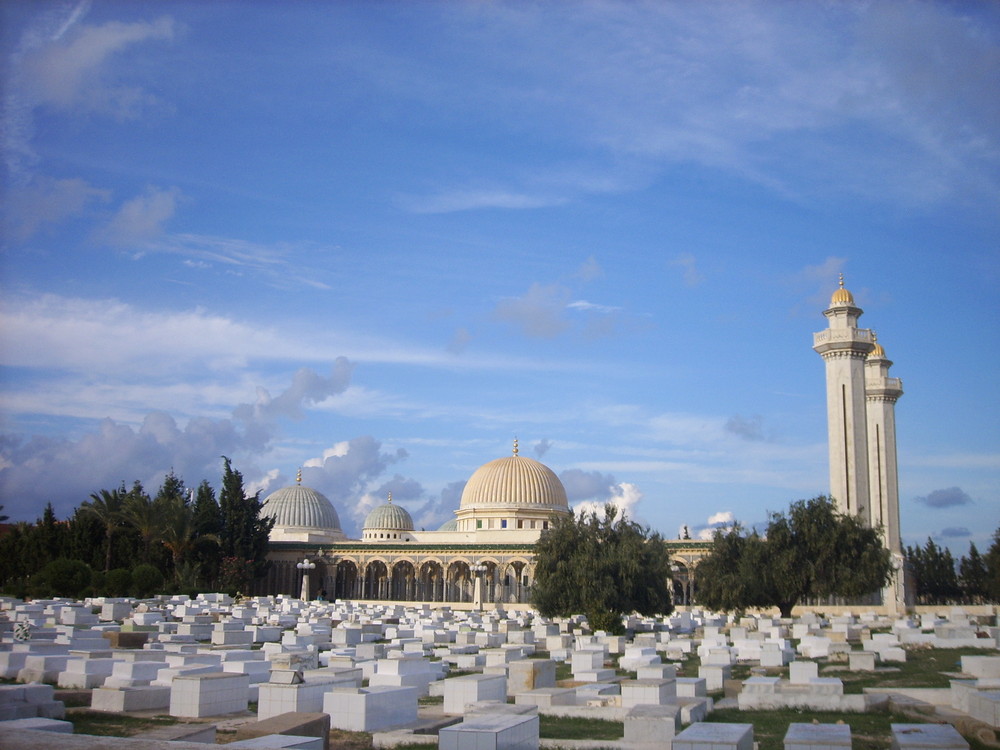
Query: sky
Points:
[380, 241]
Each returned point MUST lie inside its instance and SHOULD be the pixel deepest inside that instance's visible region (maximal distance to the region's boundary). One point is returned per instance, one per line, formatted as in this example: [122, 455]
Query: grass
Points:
[869, 731]
[570, 728]
[341, 739]
[105, 724]
[564, 671]
[923, 668]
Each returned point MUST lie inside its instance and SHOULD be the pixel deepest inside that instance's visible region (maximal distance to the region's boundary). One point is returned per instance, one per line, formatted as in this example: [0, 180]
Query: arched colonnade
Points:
[432, 579]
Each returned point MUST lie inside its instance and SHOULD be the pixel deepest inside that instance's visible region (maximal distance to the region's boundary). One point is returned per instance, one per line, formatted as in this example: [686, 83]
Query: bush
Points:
[118, 582]
[61, 577]
[146, 581]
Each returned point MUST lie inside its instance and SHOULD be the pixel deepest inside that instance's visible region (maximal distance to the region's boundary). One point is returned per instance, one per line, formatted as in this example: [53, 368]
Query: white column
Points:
[844, 347]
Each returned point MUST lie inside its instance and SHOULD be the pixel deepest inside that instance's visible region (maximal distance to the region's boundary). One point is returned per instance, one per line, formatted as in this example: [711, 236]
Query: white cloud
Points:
[723, 517]
[66, 65]
[585, 306]
[625, 497]
[689, 265]
[470, 200]
[539, 313]
[590, 270]
[73, 71]
[43, 201]
[141, 219]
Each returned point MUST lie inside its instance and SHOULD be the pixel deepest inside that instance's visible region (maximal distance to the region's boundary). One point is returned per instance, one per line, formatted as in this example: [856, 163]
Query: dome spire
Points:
[390, 496]
[515, 445]
[877, 352]
[842, 296]
[298, 476]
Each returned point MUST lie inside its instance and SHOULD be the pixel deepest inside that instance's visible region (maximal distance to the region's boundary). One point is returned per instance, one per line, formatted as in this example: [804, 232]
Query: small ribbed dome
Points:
[390, 517]
[451, 525]
[877, 351]
[841, 296]
[514, 481]
[300, 507]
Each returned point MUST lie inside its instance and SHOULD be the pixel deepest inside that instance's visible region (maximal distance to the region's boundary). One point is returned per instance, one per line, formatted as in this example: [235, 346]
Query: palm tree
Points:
[107, 508]
[145, 516]
[179, 534]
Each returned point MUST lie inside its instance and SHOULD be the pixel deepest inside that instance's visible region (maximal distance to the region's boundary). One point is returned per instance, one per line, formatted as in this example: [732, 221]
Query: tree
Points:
[144, 515]
[244, 533]
[993, 568]
[179, 534]
[972, 575]
[602, 568]
[106, 507]
[934, 571]
[208, 526]
[728, 577]
[813, 550]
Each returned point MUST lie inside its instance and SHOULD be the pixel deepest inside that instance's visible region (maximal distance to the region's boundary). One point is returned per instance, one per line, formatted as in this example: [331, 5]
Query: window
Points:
[545, 524]
[479, 523]
[503, 524]
[520, 524]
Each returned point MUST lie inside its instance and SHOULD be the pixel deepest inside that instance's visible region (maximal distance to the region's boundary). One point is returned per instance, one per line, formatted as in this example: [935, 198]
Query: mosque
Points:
[485, 555]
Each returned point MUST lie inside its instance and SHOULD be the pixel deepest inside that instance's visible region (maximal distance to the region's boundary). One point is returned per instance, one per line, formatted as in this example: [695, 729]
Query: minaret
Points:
[844, 347]
[882, 393]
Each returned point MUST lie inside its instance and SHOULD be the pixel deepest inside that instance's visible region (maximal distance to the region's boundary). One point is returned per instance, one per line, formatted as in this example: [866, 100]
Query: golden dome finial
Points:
[877, 351]
[842, 296]
[298, 476]
[515, 445]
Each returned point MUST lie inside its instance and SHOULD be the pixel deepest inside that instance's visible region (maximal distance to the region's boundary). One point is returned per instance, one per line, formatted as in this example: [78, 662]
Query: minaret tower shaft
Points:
[882, 393]
[844, 348]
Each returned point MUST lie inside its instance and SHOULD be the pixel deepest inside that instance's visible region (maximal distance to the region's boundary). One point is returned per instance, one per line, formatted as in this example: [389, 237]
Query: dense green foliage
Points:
[993, 569]
[811, 551]
[123, 541]
[601, 567]
[937, 579]
[933, 570]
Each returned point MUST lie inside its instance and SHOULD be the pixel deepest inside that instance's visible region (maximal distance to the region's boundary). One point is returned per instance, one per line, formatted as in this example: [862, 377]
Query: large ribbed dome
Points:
[300, 507]
[514, 481]
[390, 517]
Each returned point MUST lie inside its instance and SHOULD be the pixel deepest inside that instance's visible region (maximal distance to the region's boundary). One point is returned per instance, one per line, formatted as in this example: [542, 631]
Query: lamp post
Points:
[305, 566]
[477, 598]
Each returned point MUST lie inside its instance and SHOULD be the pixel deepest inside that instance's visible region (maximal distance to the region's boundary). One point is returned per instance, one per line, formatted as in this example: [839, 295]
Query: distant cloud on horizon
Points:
[946, 498]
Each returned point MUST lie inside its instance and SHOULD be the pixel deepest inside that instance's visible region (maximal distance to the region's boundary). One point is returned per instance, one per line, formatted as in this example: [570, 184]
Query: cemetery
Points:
[279, 672]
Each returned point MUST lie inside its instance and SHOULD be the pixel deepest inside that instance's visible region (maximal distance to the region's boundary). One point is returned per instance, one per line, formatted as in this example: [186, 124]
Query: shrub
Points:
[61, 577]
[118, 582]
[146, 580]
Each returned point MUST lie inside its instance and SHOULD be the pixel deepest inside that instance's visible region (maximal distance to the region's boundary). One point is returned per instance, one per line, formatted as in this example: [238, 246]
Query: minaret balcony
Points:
[843, 339]
[888, 387]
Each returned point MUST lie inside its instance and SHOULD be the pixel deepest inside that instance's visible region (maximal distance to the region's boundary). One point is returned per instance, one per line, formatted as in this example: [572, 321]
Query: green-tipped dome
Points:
[451, 525]
[300, 507]
[389, 517]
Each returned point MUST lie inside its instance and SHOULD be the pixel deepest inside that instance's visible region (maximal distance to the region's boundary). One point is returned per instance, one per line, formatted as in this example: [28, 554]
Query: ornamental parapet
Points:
[849, 340]
[884, 388]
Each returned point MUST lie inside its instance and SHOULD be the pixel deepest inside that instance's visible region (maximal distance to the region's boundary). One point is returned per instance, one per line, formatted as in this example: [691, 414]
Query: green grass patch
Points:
[105, 724]
[431, 700]
[869, 731]
[570, 728]
[564, 671]
[923, 668]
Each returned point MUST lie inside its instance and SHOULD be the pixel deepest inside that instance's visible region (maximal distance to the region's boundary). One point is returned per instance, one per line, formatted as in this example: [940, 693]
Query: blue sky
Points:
[380, 240]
